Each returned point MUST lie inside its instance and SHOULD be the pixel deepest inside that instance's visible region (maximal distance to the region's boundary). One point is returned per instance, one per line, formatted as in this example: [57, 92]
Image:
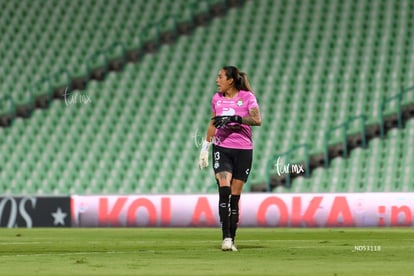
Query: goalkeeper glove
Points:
[203, 160]
[221, 121]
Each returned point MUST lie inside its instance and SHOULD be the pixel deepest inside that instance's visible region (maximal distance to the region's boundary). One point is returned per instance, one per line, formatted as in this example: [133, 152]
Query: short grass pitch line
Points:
[196, 251]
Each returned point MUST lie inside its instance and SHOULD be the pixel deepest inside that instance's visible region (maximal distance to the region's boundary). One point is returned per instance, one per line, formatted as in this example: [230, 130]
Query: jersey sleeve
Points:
[214, 100]
[252, 101]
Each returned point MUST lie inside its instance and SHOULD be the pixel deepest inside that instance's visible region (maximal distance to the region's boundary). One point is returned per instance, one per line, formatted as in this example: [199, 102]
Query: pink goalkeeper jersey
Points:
[234, 135]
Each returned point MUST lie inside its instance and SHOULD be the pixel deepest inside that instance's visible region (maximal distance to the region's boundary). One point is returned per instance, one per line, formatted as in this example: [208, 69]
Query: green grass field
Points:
[196, 251]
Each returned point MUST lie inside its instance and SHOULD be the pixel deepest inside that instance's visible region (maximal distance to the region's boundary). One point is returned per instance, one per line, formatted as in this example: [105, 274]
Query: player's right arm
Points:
[211, 130]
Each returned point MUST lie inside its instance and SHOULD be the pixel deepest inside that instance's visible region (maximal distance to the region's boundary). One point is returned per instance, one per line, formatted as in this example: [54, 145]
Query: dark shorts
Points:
[236, 161]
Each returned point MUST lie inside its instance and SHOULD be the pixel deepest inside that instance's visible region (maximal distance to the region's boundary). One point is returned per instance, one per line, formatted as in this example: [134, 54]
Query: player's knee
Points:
[223, 179]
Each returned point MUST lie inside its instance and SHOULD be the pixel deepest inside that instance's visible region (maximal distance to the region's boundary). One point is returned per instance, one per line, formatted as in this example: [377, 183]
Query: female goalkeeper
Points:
[234, 111]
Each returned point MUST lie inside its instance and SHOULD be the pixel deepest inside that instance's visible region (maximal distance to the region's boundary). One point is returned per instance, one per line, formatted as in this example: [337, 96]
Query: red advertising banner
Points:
[256, 210]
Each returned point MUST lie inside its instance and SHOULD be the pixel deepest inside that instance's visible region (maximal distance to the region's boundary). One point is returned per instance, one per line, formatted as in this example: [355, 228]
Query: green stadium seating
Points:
[312, 64]
[40, 38]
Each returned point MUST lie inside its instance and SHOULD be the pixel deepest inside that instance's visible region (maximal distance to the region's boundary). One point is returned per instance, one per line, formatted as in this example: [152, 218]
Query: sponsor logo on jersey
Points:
[228, 111]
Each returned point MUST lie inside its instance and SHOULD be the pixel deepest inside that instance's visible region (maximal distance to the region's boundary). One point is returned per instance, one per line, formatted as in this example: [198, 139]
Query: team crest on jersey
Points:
[239, 102]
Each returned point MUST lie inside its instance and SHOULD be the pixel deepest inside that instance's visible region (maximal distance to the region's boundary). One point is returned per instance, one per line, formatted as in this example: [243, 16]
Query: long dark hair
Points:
[241, 82]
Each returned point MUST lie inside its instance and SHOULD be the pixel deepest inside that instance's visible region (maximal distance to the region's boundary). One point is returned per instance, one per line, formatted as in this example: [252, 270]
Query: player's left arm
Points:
[254, 118]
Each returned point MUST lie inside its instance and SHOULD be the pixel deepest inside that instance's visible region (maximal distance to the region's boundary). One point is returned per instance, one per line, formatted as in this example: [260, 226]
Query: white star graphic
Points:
[59, 217]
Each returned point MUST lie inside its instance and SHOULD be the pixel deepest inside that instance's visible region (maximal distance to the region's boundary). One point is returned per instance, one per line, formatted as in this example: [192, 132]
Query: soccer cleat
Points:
[227, 244]
[234, 248]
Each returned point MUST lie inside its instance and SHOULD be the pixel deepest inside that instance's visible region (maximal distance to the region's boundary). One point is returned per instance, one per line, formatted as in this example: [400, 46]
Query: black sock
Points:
[224, 208]
[234, 214]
